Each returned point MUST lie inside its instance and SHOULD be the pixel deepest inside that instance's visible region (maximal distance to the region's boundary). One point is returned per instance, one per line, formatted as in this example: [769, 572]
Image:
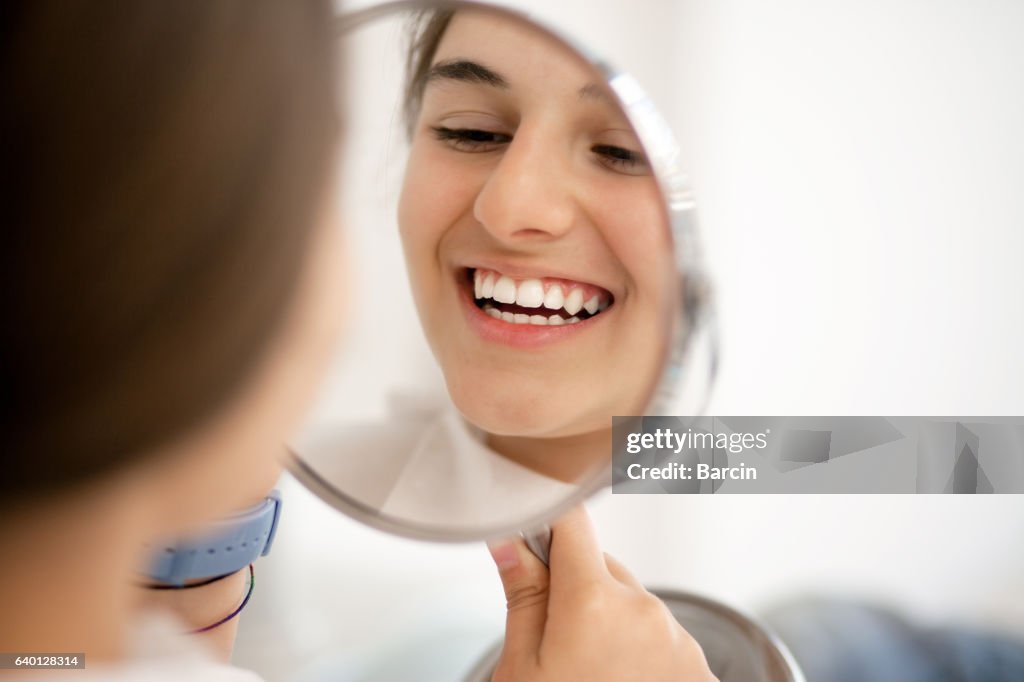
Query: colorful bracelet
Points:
[245, 600]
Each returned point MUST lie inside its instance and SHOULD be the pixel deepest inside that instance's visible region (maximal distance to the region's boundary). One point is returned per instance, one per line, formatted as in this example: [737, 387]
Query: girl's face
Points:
[535, 235]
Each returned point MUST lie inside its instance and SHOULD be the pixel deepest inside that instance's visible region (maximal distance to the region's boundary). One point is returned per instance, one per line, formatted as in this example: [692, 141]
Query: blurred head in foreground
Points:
[168, 259]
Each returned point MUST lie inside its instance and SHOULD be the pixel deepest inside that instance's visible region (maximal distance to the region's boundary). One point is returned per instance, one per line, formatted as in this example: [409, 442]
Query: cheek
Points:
[428, 207]
[419, 225]
[438, 193]
[634, 226]
[636, 231]
[415, 207]
[434, 196]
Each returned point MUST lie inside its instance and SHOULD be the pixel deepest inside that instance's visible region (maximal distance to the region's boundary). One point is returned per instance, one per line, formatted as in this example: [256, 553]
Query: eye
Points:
[470, 139]
[621, 159]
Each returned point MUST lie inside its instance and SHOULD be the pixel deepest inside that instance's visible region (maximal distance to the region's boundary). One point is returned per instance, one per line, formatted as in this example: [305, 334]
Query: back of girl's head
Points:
[162, 166]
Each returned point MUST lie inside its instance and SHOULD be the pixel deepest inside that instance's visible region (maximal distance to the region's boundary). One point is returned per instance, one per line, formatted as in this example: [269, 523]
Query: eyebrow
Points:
[467, 71]
[595, 91]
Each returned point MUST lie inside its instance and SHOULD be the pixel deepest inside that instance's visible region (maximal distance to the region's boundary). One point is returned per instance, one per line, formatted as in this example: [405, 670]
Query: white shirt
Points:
[427, 466]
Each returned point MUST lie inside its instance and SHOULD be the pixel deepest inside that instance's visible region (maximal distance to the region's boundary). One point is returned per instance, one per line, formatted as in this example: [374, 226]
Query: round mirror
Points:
[525, 269]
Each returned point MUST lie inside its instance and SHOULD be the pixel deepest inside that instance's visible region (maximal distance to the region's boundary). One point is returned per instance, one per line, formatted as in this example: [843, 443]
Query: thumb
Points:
[525, 581]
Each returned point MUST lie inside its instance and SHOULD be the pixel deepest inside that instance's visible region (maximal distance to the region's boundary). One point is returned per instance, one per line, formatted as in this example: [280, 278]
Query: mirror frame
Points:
[695, 319]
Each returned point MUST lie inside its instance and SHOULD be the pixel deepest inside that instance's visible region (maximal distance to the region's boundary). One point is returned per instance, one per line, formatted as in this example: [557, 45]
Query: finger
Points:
[575, 553]
[525, 581]
[621, 573]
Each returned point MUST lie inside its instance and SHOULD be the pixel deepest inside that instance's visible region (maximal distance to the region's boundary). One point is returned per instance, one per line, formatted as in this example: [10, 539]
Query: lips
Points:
[536, 301]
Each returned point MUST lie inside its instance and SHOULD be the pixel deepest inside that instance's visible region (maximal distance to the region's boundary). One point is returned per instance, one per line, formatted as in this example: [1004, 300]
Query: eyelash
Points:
[473, 140]
[619, 156]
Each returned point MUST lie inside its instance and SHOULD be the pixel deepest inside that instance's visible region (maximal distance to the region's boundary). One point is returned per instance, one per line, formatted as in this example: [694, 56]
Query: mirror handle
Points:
[539, 542]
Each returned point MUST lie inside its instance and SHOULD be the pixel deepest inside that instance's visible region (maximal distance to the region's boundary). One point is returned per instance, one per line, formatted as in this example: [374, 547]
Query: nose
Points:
[530, 196]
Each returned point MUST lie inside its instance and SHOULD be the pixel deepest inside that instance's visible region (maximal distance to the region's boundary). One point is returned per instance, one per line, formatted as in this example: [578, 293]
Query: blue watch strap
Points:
[228, 545]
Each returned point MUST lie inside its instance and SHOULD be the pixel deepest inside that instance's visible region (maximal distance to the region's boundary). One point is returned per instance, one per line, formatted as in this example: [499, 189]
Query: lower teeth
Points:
[538, 320]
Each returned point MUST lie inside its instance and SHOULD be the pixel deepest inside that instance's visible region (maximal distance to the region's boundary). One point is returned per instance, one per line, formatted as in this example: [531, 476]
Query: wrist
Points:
[224, 548]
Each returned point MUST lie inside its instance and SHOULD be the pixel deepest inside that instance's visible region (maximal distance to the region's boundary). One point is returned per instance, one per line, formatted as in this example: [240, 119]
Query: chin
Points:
[526, 418]
[522, 415]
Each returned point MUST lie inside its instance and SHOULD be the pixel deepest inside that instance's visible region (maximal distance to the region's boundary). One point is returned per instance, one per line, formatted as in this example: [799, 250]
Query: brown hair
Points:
[162, 166]
[426, 28]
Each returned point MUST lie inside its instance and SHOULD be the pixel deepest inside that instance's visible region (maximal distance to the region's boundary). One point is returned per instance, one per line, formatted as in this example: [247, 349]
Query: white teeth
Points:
[504, 290]
[530, 294]
[574, 301]
[554, 299]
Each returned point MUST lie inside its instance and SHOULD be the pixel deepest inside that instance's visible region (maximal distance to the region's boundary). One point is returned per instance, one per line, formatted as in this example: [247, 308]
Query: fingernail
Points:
[505, 554]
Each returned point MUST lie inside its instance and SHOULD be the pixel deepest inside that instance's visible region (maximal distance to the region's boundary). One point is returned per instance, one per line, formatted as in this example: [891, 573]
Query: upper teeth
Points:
[574, 301]
[530, 293]
[533, 293]
[504, 291]
[554, 298]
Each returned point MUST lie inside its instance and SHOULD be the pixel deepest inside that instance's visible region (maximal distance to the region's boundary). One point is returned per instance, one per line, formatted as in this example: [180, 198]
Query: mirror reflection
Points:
[538, 256]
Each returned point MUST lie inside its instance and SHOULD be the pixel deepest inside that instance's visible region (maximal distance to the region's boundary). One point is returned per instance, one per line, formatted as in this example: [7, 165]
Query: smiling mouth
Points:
[536, 301]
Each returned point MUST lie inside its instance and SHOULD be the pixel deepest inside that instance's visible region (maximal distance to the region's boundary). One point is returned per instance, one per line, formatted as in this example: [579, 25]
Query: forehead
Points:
[524, 56]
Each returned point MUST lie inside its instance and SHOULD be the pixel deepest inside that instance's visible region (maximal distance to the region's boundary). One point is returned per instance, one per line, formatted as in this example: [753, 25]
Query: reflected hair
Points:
[424, 32]
[164, 164]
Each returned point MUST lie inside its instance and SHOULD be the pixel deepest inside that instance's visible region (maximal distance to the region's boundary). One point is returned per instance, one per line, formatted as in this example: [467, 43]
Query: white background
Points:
[858, 168]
